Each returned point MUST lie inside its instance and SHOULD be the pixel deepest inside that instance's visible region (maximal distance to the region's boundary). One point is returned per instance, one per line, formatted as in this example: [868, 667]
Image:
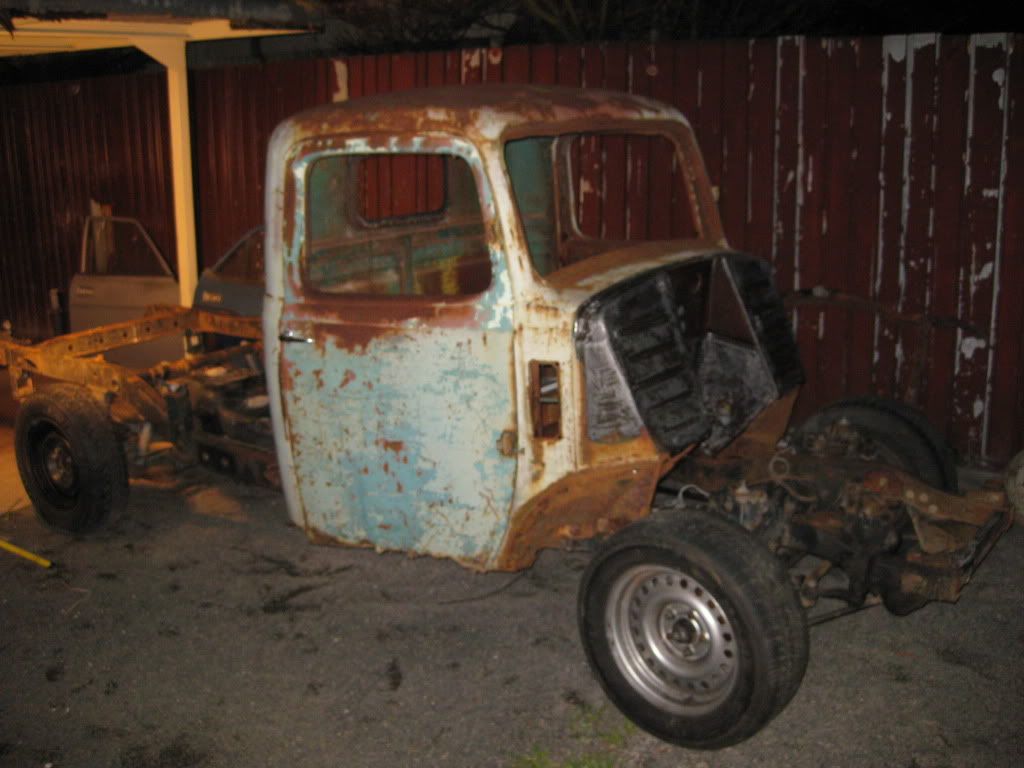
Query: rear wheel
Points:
[693, 628]
[1015, 484]
[895, 434]
[69, 458]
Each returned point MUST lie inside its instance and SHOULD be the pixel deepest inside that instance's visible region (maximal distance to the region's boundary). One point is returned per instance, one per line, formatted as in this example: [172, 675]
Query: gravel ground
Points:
[202, 630]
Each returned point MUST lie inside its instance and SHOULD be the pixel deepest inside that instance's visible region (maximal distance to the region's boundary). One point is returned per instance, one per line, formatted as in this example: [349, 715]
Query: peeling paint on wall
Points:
[340, 92]
[969, 345]
[908, 82]
[968, 262]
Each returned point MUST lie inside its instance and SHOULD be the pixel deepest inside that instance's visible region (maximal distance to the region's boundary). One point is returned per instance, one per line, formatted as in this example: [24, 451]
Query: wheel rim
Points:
[52, 464]
[671, 639]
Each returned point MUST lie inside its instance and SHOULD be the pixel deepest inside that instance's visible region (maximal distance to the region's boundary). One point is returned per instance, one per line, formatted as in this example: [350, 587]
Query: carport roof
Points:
[161, 29]
[36, 36]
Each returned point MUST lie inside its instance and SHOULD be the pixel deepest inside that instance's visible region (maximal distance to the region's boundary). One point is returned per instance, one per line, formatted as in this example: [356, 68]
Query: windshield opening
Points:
[582, 194]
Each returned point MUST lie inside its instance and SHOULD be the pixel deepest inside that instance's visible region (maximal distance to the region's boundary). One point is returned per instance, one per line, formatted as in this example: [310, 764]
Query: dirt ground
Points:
[202, 630]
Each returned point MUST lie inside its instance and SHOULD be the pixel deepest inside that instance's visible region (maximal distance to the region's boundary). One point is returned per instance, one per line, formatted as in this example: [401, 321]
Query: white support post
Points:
[163, 39]
[171, 53]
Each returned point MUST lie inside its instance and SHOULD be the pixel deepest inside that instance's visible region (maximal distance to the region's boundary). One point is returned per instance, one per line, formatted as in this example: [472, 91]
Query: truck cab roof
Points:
[485, 111]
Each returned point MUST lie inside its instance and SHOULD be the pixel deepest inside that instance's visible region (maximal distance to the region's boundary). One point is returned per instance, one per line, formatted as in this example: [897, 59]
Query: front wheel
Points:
[692, 628]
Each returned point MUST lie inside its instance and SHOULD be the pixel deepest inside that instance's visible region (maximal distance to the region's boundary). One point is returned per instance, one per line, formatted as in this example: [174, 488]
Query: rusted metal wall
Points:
[63, 144]
[888, 169]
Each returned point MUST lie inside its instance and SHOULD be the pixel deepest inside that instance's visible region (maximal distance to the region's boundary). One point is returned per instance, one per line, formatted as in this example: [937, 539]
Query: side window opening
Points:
[530, 167]
[395, 225]
[119, 246]
[582, 194]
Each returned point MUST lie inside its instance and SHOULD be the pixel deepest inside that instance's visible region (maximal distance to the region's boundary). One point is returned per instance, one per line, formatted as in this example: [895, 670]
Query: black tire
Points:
[753, 633]
[1015, 483]
[69, 458]
[903, 435]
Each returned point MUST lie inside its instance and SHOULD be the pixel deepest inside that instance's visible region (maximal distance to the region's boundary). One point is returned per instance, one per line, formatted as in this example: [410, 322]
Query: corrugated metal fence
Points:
[63, 144]
[885, 169]
[234, 111]
[888, 169]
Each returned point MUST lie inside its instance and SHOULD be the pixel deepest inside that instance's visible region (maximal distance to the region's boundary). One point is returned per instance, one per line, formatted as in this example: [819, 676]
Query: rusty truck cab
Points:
[424, 280]
[471, 354]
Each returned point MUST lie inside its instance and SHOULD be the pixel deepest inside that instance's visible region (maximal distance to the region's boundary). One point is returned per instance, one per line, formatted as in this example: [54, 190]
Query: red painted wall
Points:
[63, 144]
[888, 169]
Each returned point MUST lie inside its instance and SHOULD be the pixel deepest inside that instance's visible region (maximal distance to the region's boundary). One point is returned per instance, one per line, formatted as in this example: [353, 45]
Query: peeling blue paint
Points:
[395, 437]
[397, 444]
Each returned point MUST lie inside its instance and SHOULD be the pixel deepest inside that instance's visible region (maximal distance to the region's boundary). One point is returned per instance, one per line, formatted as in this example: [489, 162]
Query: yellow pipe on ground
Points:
[15, 550]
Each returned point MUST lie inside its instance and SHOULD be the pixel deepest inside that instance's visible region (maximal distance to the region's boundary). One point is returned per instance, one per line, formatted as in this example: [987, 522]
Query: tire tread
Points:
[719, 545]
[98, 455]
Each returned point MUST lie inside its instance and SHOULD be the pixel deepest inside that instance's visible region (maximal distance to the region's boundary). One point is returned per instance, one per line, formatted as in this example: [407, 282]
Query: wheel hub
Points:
[52, 464]
[59, 464]
[683, 632]
[671, 639]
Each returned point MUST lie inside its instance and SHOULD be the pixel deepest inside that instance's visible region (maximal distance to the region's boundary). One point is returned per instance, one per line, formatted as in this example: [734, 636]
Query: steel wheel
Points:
[70, 459]
[52, 464]
[692, 628]
[671, 639]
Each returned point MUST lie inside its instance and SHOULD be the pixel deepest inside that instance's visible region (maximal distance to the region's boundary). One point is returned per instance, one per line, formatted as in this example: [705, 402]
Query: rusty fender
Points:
[597, 500]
